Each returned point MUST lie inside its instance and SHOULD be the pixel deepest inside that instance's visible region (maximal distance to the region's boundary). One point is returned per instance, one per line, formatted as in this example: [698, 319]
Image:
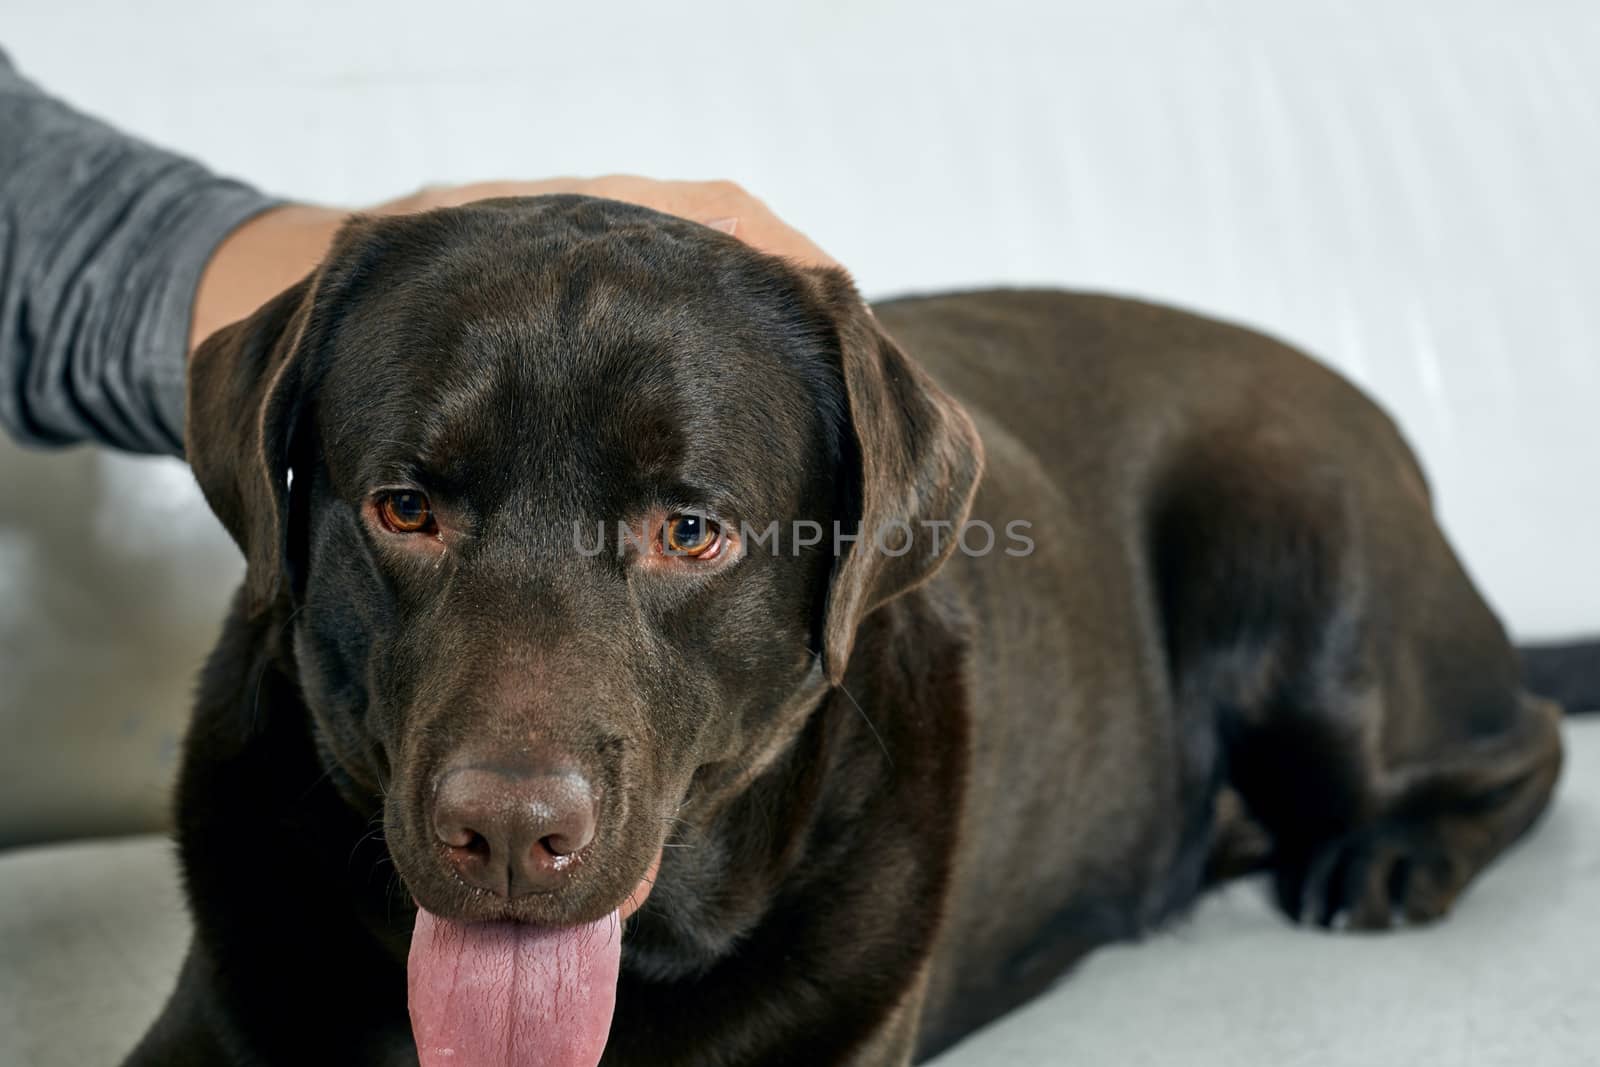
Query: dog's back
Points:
[1234, 582]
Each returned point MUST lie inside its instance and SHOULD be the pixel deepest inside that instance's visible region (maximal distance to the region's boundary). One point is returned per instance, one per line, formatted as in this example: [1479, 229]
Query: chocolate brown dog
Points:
[637, 637]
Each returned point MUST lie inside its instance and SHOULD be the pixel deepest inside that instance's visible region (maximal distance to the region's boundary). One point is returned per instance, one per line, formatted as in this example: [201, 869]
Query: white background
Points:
[1408, 190]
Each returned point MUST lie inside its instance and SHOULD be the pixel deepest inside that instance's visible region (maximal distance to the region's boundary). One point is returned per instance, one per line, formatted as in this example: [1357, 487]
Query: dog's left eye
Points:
[687, 534]
[407, 512]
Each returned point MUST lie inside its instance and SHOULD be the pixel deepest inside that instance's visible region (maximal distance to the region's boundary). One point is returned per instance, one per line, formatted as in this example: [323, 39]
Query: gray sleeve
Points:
[102, 241]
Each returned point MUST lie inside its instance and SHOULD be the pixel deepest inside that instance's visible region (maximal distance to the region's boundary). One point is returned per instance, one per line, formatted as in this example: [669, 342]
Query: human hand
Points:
[274, 250]
[723, 205]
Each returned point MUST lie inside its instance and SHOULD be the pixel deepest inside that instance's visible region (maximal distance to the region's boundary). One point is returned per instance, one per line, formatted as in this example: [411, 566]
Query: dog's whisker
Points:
[371, 835]
[255, 705]
[817, 658]
[288, 622]
[318, 780]
[868, 720]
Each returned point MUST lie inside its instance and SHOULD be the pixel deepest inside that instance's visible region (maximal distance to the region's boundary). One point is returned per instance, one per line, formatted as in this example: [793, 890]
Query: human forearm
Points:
[102, 241]
[260, 259]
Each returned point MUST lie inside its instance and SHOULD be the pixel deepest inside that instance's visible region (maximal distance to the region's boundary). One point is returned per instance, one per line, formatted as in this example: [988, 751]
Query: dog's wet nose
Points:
[510, 831]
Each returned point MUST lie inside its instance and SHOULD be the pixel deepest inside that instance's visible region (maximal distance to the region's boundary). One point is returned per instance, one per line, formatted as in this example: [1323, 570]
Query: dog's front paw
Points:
[1370, 880]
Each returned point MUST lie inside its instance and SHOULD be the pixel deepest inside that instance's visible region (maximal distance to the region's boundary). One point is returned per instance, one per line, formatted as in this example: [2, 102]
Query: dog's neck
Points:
[736, 847]
[805, 818]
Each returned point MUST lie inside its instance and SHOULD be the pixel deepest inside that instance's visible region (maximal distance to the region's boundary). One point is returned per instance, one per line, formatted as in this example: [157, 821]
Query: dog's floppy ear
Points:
[910, 483]
[244, 399]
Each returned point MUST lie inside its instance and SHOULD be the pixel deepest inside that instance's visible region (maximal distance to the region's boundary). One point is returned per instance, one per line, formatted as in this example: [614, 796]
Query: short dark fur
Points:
[906, 792]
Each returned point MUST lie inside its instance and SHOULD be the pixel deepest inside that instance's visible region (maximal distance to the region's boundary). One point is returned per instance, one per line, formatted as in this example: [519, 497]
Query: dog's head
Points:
[535, 480]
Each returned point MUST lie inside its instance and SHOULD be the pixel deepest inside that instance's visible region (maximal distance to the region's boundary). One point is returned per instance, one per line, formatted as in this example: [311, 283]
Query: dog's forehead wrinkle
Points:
[635, 418]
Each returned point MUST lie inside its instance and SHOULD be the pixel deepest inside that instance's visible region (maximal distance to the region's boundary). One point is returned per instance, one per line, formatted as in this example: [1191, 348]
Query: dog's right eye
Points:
[406, 512]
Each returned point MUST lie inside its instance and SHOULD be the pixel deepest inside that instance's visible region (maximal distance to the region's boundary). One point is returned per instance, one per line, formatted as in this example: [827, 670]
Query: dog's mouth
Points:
[506, 994]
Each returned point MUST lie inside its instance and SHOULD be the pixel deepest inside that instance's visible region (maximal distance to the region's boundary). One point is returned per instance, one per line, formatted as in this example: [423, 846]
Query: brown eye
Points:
[406, 512]
[687, 534]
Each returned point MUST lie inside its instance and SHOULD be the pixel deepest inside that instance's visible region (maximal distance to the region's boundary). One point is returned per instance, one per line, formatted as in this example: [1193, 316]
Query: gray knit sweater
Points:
[102, 240]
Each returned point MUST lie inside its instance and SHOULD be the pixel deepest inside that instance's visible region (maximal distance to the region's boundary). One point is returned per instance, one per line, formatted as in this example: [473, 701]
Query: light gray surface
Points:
[113, 583]
[91, 936]
[1405, 189]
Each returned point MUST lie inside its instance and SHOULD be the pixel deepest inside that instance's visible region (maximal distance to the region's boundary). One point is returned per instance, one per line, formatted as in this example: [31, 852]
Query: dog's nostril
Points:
[458, 836]
[558, 845]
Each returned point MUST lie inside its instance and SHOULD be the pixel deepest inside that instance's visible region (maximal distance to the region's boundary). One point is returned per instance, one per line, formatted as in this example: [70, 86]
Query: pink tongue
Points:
[509, 995]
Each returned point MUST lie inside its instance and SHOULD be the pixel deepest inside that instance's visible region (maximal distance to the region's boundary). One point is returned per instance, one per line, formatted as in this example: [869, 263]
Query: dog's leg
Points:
[895, 1043]
[1408, 842]
[181, 1037]
[1366, 700]
[1439, 823]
